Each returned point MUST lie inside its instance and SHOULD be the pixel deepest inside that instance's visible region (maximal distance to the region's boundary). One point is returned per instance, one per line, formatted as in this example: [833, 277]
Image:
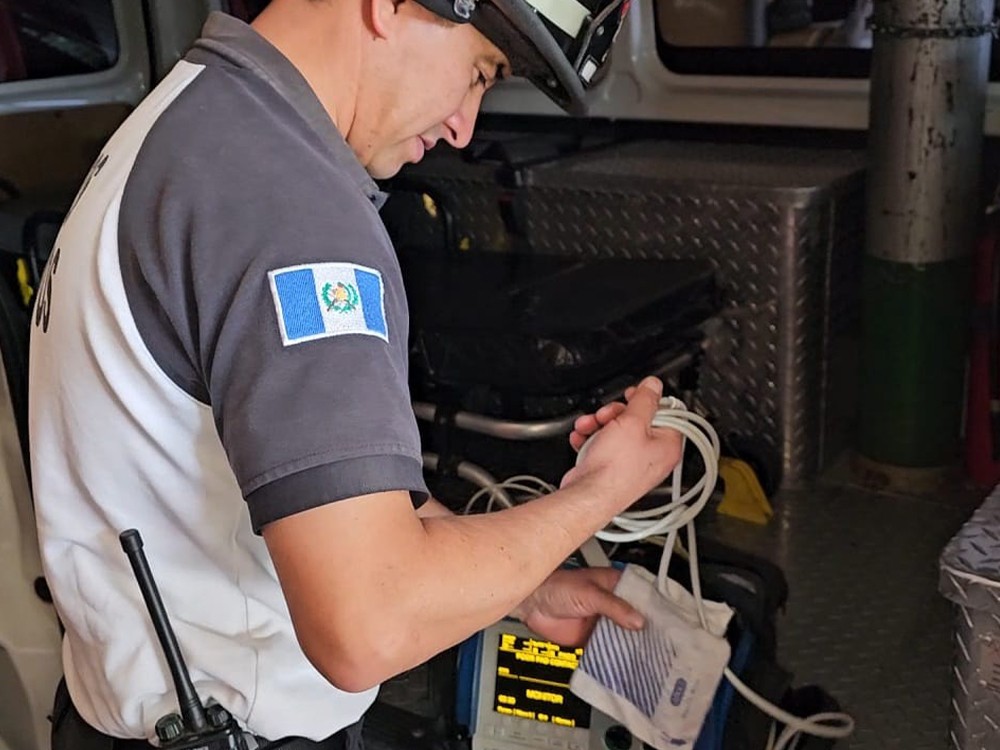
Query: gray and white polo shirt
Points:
[221, 328]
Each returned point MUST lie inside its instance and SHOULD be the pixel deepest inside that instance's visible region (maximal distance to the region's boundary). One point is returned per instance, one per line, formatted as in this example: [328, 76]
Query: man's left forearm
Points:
[434, 509]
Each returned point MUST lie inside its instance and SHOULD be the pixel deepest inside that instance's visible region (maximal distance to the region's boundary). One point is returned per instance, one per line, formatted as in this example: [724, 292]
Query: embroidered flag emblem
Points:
[319, 300]
[342, 298]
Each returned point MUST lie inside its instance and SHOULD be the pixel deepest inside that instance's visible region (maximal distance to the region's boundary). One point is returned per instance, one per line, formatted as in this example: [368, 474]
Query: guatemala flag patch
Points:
[319, 300]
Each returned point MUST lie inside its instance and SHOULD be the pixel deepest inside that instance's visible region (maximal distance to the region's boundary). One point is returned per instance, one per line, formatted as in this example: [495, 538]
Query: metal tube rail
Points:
[473, 474]
[506, 429]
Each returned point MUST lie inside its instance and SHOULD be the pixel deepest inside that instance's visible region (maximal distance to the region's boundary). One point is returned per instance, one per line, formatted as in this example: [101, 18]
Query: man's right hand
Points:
[625, 456]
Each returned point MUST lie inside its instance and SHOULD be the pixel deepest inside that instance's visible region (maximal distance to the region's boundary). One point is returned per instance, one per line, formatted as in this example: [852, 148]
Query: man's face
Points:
[428, 87]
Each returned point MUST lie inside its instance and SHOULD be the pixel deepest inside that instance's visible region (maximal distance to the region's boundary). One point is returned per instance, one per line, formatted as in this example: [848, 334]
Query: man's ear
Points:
[384, 14]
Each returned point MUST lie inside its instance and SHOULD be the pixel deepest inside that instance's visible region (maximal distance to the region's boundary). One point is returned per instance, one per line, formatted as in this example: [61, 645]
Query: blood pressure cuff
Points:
[659, 682]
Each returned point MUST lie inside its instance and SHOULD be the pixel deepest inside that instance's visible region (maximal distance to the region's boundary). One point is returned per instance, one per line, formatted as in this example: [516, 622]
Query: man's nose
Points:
[462, 123]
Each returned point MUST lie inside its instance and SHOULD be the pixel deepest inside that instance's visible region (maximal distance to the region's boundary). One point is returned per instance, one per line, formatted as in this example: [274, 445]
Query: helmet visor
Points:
[559, 45]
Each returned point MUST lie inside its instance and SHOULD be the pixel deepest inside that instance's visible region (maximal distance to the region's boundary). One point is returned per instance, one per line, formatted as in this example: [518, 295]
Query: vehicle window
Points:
[774, 38]
[50, 38]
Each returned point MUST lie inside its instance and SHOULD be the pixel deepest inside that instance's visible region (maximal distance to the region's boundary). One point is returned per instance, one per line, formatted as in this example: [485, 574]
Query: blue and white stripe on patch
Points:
[319, 300]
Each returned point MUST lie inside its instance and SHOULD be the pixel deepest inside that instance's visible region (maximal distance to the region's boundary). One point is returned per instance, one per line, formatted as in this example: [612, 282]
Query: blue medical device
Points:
[513, 694]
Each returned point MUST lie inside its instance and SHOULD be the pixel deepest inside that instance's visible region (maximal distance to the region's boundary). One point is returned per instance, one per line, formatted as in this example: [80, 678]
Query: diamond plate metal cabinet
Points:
[784, 230]
[783, 227]
[970, 577]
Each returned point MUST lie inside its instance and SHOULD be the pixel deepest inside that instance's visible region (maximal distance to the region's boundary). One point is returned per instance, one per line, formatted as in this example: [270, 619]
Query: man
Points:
[219, 360]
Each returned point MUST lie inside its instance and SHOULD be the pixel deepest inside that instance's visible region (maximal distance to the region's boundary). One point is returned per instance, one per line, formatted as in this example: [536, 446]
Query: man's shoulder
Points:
[230, 132]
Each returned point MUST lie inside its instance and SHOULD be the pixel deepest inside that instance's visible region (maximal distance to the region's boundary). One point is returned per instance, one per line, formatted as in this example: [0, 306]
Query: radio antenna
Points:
[192, 710]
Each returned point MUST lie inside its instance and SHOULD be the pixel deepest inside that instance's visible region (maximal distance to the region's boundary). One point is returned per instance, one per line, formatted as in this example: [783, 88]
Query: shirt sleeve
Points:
[267, 287]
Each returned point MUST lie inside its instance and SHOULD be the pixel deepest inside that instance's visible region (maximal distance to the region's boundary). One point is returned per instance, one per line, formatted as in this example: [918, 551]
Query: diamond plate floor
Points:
[865, 619]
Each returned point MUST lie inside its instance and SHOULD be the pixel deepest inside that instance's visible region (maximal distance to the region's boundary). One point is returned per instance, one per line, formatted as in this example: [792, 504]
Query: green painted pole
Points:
[928, 92]
[913, 350]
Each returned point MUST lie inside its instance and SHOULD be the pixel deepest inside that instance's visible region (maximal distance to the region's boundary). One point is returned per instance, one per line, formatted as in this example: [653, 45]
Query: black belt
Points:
[71, 732]
[342, 740]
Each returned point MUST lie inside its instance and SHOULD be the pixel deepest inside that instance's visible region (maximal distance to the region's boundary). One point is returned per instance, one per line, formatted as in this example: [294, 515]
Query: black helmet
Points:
[559, 45]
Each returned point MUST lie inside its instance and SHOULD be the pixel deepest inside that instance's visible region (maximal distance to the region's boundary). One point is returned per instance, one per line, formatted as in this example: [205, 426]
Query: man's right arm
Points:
[373, 589]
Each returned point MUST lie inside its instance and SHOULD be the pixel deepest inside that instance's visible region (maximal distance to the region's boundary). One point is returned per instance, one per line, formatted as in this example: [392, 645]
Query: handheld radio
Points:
[196, 726]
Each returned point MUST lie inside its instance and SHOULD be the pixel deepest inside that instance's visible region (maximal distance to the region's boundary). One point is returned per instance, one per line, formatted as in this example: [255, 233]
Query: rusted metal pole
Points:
[928, 94]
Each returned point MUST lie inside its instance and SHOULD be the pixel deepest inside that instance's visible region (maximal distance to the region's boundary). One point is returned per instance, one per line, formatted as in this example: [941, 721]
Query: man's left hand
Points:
[564, 609]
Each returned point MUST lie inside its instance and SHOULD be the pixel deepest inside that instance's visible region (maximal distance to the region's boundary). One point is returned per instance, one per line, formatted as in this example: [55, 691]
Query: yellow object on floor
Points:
[743, 498]
[22, 282]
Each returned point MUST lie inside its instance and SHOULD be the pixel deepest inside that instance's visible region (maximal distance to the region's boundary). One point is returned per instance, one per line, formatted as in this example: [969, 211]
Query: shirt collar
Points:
[227, 38]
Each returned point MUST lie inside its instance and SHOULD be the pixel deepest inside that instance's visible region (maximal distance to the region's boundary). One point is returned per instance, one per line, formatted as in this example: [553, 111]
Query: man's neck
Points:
[321, 40]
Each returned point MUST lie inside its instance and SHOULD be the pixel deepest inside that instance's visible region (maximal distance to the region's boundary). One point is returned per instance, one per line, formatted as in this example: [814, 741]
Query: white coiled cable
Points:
[667, 520]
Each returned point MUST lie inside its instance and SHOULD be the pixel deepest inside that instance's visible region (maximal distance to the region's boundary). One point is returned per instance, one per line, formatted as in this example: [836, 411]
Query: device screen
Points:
[533, 682]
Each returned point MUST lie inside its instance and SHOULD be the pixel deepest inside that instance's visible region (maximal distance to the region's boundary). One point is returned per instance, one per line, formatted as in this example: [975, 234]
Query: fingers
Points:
[643, 401]
[588, 424]
[620, 612]
[605, 578]
[604, 602]
[608, 412]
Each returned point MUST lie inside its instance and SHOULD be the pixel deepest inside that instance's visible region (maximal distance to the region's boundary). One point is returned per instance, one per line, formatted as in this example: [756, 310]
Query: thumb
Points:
[645, 400]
